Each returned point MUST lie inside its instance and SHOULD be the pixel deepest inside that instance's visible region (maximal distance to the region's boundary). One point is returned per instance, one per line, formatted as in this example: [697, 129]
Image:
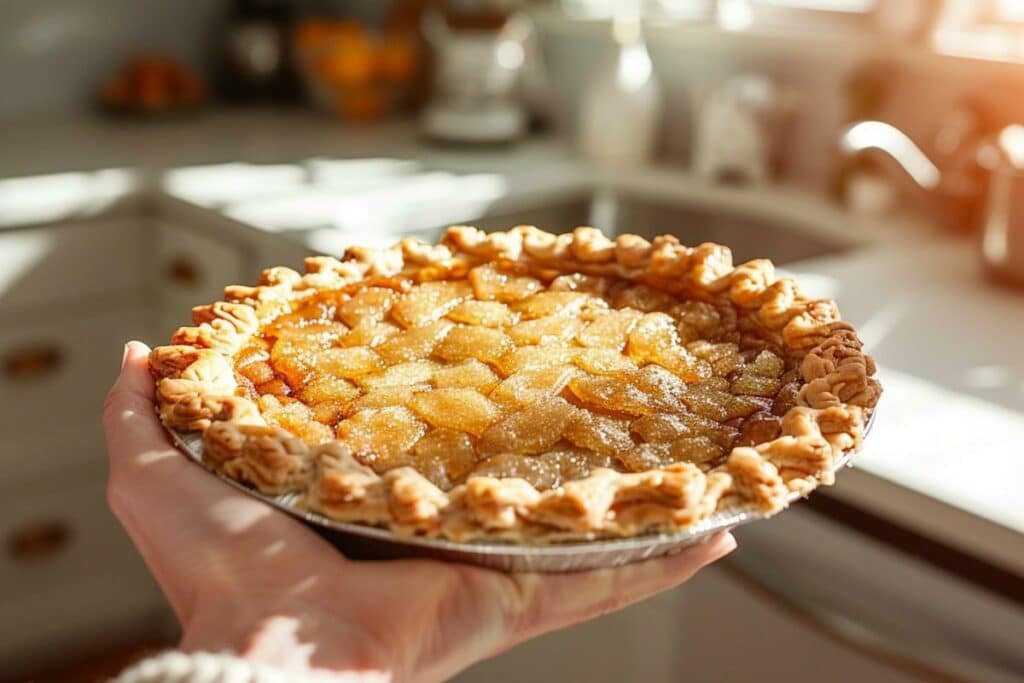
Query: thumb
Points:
[128, 412]
[143, 462]
[187, 525]
[158, 496]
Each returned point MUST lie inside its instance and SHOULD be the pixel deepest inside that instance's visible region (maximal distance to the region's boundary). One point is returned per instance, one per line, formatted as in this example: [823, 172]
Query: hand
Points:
[251, 580]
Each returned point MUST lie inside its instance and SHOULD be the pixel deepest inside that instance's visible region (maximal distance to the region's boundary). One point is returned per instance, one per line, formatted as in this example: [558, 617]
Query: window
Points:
[1010, 10]
[823, 5]
[676, 10]
[986, 29]
[738, 15]
[709, 9]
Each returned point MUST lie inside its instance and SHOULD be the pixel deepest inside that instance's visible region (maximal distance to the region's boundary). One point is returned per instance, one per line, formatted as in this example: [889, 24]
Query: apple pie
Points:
[521, 386]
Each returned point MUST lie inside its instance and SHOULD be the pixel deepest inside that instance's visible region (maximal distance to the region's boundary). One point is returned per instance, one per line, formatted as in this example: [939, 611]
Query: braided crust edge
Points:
[195, 391]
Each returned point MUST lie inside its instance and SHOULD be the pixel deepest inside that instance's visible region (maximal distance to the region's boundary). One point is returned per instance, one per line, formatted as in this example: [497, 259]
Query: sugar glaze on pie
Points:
[522, 386]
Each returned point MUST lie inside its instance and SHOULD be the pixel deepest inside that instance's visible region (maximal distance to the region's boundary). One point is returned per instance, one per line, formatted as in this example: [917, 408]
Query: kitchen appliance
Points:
[741, 129]
[481, 52]
[256, 53]
[1002, 228]
[624, 89]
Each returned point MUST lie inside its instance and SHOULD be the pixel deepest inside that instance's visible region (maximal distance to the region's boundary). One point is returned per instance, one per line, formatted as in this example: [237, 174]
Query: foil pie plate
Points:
[357, 541]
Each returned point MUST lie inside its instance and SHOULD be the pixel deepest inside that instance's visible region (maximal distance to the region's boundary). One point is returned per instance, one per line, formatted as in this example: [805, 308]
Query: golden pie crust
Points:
[522, 386]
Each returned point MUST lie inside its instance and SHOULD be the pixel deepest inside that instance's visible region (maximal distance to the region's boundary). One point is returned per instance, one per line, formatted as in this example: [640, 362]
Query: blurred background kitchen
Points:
[152, 152]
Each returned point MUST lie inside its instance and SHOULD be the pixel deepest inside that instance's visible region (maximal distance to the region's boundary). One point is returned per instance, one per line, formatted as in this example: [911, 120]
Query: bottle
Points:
[621, 105]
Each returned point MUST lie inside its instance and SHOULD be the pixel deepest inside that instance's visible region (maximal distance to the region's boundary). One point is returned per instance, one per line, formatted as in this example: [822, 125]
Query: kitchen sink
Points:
[749, 236]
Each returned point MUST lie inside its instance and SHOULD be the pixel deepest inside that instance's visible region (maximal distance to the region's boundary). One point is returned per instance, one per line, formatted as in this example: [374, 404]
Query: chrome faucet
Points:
[980, 186]
[885, 137]
[955, 186]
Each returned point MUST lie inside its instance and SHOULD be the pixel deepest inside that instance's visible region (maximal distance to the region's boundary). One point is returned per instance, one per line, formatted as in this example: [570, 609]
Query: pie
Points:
[522, 386]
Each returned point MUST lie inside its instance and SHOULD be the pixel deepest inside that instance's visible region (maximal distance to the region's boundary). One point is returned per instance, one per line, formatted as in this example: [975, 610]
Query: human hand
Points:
[245, 578]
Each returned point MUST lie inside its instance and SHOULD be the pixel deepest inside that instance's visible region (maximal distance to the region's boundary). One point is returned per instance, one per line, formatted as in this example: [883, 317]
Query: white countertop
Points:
[951, 421]
[944, 456]
[60, 168]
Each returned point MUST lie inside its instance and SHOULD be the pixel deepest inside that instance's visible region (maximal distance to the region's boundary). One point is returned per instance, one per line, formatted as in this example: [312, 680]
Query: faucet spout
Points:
[885, 137]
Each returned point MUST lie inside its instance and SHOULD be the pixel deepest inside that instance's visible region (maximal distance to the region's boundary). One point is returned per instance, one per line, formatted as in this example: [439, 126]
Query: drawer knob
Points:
[183, 272]
[32, 361]
[39, 540]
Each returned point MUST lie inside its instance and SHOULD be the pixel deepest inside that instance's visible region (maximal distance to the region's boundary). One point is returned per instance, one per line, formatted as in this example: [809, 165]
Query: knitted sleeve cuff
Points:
[204, 667]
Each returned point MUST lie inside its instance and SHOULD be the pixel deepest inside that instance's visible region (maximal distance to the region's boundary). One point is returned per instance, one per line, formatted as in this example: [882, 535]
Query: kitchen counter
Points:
[948, 429]
[942, 457]
[58, 168]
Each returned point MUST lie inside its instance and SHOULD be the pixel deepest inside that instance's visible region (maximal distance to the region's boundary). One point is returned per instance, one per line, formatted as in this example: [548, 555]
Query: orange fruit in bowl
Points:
[347, 30]
[362, 104]
[152, 90]
[349, 64]
[398, 58]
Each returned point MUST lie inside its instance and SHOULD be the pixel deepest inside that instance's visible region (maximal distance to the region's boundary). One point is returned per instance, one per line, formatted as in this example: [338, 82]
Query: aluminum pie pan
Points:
[364, 542]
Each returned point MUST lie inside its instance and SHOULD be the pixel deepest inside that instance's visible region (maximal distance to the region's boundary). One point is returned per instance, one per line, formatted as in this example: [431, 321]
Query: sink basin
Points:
[749, 232]
[749, 236]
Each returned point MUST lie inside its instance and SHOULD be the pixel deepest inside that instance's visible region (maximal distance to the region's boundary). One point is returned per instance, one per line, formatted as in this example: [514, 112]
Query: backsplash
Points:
[690, 62]
[54, 53]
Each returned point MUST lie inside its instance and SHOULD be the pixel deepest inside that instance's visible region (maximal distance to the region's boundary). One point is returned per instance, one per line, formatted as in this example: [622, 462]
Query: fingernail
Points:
[727, 545]
[124, 356]
[723, 546]
[730, 542]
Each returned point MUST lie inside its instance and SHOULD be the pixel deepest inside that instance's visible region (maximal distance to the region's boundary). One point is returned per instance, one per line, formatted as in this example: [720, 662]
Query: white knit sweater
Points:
[204, 667]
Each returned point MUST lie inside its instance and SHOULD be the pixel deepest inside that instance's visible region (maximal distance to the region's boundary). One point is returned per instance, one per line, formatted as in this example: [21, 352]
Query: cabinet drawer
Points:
[193, 269]
[75, 261]
[67, 570]
[54, 375]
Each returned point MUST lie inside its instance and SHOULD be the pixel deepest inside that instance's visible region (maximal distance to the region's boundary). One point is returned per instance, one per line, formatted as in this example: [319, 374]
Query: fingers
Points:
[143, 462]
[129, 419]
[140, 457]
[136, 380]
[146, 469]
[188, 526]
[133, 432]
[551, 601]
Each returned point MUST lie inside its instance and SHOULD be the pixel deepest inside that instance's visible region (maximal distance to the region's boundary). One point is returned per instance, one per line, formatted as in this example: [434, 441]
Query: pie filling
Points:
[508, 373]
[522, 386]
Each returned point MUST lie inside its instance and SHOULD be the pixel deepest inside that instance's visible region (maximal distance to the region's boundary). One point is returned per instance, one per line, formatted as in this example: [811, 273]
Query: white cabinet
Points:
[193, 266]
[54, 373]
[55, 266]
[715, 627]
[69, 576]
[805, 598]
[191, 269]
[729, 631]
[70, 296]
